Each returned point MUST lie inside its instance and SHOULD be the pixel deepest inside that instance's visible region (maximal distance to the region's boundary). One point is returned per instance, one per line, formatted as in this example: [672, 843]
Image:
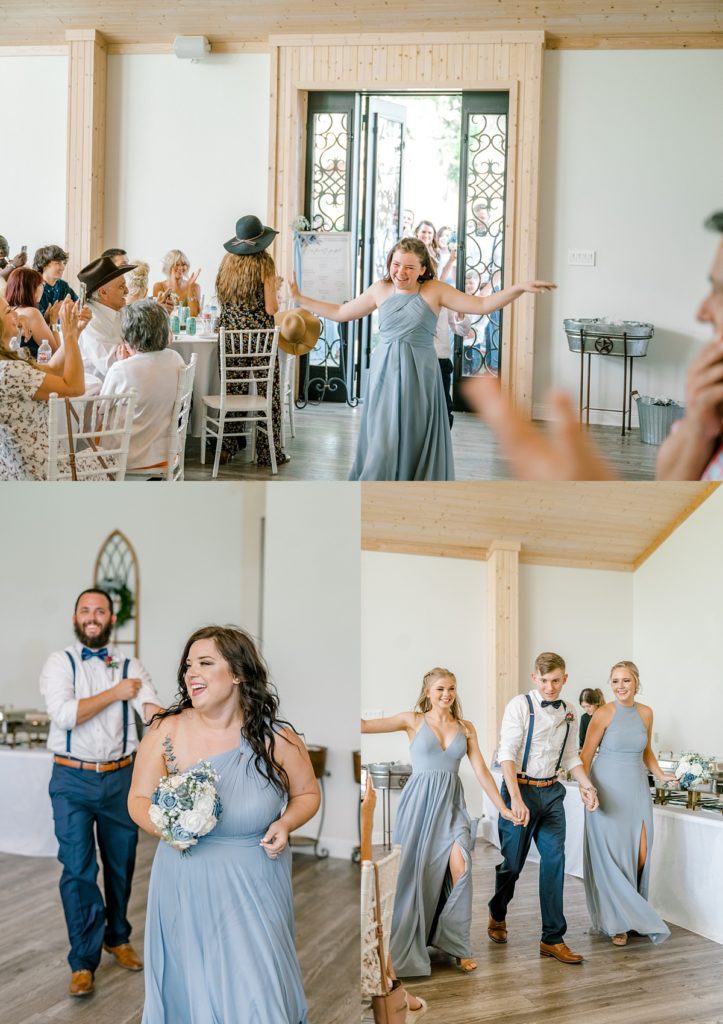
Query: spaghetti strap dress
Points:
[219, 943]
[404, 432]
[431, 816]
[617, 900]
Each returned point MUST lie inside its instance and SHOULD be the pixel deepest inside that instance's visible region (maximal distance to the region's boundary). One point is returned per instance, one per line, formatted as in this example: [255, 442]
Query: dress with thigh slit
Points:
[616, 897]
[431, 817]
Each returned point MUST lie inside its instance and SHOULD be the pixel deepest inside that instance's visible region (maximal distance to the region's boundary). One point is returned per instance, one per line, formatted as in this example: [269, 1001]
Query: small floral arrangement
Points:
[692, 768]
[300, 223]
[110, 662]
[569, 717]
[185, 806]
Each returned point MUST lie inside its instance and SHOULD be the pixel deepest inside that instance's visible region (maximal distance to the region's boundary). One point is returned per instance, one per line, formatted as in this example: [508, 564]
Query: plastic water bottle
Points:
[214, 314]
[44, 352]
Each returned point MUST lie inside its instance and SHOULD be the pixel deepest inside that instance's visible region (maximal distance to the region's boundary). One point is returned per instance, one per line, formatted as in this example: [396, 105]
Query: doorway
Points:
[379, 165]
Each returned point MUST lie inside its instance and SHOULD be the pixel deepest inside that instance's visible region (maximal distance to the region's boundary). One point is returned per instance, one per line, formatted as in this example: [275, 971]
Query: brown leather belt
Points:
[94, 766]
[540, 783]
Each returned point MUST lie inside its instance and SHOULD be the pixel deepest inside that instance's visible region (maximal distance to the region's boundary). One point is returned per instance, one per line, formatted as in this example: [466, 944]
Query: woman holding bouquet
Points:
[619, 837]
[219, 928]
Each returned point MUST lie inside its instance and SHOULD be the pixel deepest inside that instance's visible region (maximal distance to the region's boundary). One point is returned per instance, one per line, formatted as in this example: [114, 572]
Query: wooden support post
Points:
[87, 59]
[503, 567]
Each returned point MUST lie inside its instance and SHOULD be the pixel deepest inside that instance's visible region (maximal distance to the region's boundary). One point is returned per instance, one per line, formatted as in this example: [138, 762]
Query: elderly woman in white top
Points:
[150, 368]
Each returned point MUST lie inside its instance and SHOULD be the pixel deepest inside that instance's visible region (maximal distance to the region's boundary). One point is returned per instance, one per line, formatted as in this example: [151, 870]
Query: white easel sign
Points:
[323, 264]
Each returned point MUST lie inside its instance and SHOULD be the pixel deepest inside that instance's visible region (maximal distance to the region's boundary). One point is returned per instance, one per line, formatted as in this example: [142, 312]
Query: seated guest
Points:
[119, 256]
[24, 391]
[186, 292]
[50, 261]
[24, 290]
[8, 265]
[148, 366]
[137, 281]
[107, 290]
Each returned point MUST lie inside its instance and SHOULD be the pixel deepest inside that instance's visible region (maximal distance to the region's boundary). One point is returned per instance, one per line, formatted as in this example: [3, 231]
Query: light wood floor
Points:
[678, 982]
[34, 973]
[326, 436]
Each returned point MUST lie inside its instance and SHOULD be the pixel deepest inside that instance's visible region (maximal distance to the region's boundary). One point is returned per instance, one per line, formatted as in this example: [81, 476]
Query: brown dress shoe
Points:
[126, 956]
[560, 952]
[81, 983]
[497, 930]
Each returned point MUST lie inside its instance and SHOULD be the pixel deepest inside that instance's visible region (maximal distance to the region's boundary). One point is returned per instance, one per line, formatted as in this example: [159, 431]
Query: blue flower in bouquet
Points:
[217, 808]
[167, 801]
[181, 835]
[155, 796]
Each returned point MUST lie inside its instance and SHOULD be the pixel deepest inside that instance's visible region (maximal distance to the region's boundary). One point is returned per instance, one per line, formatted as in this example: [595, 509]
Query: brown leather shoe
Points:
[126, 956]
[81, 983]
[560, 952]
[497, 930]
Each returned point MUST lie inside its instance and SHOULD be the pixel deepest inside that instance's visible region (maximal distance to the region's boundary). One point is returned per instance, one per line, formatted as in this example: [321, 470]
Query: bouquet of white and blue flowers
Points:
[692, 769]
[185, 806]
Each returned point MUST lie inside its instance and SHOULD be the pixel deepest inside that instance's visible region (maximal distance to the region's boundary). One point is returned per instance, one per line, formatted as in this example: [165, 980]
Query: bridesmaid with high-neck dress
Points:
[433, 903]
[619, 838]
[404, 433]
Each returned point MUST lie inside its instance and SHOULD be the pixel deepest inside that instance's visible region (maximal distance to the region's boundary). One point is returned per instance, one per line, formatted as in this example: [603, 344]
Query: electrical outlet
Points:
[375, 713]
[581, 257]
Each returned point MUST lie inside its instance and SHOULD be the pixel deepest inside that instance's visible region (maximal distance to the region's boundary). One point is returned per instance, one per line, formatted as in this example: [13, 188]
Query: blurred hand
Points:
[20, 260]
[275, 840]
[535, 287]
[85, 315]
[122, 351]
[566, 453]
[704, 391]
[51, 313]
[165, 299]
[589, 798]
[127, 689]
[294, 289]
[520, 811]
[68, 316]
[192, 279]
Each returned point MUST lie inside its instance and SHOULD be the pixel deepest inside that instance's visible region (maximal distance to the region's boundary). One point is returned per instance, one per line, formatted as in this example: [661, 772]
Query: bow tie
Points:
[87, 653]
[551, 703]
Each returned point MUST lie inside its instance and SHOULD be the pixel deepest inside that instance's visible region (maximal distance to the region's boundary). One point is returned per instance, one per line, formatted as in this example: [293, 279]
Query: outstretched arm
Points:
[403, 722]
[342, 312]
[485, 777]
[460, 302]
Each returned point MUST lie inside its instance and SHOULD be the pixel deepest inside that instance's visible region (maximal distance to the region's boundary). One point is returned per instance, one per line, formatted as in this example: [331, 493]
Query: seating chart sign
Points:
[323, 264]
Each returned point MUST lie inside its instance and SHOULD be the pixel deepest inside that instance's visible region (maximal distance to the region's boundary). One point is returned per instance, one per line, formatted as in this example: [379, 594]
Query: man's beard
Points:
[94, 642]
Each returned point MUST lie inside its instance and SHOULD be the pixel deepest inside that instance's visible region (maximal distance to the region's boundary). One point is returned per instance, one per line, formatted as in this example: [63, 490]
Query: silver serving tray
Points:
[605, 338]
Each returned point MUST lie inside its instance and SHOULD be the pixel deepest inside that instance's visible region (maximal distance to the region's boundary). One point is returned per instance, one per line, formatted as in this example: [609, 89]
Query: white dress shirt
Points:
[100, 738]
[446, 327]
[154, 376]
[99, 340]
[547, 737]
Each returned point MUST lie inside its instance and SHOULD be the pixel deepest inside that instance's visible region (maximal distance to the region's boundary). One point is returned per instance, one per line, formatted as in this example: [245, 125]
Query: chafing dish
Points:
[30, 723]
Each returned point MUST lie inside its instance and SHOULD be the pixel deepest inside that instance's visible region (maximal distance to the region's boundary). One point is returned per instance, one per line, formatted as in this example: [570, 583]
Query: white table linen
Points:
[25, 809]
[207, 380]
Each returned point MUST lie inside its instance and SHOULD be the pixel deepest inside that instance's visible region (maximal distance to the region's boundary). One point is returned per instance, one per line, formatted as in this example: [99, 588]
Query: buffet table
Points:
[25, 809]
[686, 867]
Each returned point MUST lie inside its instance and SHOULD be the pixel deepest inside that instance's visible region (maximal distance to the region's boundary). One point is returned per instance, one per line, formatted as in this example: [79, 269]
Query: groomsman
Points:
[538, 739]
[91, 692]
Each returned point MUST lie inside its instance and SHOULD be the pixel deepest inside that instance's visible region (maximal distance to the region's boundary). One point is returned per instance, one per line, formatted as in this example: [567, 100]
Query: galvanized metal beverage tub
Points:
[389, 774]
[598, 336]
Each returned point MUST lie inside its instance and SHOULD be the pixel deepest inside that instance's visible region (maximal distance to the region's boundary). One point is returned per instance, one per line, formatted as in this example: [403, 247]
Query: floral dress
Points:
[23, 423]
[253, 317]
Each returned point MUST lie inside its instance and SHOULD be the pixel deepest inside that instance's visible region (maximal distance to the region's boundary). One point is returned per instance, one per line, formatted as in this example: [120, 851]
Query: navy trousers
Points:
[547, 828]
[87, 805]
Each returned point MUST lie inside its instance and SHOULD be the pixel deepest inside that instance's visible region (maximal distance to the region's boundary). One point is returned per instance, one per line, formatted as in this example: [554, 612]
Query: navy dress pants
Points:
[87, 805]
[547, 828]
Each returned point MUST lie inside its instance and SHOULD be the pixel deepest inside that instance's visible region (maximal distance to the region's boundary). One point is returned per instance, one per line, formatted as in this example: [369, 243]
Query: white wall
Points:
[632, 155]
[186, 154]
[311, 632]
[677, 600]
[33, 164]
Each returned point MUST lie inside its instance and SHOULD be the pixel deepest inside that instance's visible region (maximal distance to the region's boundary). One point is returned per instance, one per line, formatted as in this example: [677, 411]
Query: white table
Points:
[25, 809]
[686, 866]
[207, 380]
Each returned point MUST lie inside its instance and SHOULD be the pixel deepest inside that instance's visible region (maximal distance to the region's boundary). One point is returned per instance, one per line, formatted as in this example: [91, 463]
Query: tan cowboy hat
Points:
[299, 331]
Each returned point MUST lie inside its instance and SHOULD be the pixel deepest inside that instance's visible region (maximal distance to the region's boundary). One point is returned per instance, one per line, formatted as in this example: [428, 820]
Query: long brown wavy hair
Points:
[240, 277]
[257, 696]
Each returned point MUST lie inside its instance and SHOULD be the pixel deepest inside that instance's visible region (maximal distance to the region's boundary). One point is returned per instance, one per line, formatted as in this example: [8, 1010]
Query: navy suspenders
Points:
[124, 675]
[528, 741]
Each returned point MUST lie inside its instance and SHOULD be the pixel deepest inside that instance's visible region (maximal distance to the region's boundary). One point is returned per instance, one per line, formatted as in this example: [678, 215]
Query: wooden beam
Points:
[503, 631]
[87, 59]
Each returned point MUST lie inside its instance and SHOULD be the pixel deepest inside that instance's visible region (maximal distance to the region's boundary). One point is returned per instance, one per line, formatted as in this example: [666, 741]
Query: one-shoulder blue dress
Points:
[219, 944]
[431, 817]
[404, 432]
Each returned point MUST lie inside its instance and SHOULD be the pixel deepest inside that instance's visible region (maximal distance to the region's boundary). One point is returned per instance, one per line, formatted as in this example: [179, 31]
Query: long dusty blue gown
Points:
[431, 816]
[616, 900]
[219, 944]
[404, 432]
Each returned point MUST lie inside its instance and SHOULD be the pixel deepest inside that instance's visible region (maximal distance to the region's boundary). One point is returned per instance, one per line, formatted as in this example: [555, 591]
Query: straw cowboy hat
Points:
[251, 236]
[102, 271]
[299, 331]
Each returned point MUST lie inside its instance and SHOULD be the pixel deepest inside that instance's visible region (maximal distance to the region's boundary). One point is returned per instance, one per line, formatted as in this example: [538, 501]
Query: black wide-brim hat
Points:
[102, 271]
[251, 236]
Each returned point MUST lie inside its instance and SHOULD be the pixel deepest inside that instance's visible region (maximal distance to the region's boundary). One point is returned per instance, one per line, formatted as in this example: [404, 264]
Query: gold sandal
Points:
[621, 939]
[466, 965]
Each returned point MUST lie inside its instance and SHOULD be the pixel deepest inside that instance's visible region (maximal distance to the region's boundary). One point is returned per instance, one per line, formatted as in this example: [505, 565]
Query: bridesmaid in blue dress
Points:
[619, 837]
[404, 432]
[219, 941]
[433, 903]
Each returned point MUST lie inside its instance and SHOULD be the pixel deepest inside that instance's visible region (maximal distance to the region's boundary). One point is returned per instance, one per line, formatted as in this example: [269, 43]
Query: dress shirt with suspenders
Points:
[528, 744]
[69, 732]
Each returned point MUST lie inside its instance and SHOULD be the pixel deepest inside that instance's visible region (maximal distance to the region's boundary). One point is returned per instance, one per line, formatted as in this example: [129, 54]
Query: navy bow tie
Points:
[551, 703]
[87, 653]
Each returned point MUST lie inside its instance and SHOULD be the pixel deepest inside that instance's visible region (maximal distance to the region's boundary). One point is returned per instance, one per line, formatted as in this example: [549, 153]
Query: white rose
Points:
[208, 827]
[204, 804]
[156, 815]
[174, 781]
[696, 769]
[192, 821]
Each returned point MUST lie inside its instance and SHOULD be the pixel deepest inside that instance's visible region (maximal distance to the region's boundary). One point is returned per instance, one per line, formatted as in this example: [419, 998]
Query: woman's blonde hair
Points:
[137, 280]
[424, 703]
[240, 277]
[172, 257]
[632, 669]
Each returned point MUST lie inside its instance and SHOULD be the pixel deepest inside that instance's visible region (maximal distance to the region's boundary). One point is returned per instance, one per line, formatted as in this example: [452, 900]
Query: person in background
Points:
[447, 260]
[407, 223]
[184, 289]
[50, 261]
[8, 265]
[101, 343]
[590, 700]
[137, 281]
[426, 233]
[24, 289]
[119, 256]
